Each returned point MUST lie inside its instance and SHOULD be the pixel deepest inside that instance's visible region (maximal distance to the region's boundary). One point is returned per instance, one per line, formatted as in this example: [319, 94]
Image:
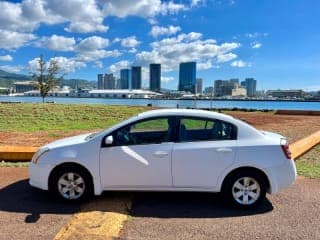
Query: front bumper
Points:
[39, 175]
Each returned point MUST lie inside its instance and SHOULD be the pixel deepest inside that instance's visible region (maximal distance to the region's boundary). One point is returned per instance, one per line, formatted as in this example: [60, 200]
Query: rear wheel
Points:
[71, 183]
[244, 189]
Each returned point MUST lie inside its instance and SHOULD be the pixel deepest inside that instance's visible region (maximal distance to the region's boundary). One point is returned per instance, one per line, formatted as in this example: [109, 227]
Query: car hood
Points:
[68, 141]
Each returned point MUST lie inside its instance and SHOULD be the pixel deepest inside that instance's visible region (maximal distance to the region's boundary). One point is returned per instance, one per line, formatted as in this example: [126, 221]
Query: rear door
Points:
[205, 148]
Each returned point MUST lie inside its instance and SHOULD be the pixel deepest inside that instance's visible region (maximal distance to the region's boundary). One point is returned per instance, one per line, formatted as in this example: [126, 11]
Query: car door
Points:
[139, 156]
[204, 149]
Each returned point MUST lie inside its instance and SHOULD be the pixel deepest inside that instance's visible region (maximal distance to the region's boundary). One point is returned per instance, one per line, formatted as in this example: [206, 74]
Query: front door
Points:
[140, 156]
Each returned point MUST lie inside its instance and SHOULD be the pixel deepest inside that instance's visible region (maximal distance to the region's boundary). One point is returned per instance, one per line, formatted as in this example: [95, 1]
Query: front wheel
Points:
[244, 189]
[71, 184]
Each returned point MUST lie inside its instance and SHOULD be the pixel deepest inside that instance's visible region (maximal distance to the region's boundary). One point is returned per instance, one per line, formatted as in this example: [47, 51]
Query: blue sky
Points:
[276, 42]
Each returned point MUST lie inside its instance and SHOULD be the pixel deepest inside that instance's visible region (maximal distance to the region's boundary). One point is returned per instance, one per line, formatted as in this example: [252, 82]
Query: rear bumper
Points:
[39, 175]
[282, 176]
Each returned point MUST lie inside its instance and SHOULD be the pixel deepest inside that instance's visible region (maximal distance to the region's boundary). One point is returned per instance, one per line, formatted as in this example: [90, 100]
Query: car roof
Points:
[185, 112]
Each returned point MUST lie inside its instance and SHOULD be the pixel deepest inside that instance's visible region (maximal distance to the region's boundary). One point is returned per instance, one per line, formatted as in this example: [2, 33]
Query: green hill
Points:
[7, 80]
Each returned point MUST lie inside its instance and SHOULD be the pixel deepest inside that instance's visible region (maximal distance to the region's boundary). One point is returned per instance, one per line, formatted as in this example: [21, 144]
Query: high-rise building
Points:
[109, 81]
[199, 85]
[223, 88]
[234, 81]
[251, 86]
[125, 77]
[136, 77]
[100, 81]
[187, 77]
[155, 77]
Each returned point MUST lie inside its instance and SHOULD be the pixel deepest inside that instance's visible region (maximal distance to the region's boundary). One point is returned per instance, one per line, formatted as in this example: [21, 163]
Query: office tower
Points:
[251, 86]
[136, 77]
[223, 88]
[187, 77]
[109, 81]
[199, 85]
[125, 77]
[234, 81]
[100, 81]
[155, 77]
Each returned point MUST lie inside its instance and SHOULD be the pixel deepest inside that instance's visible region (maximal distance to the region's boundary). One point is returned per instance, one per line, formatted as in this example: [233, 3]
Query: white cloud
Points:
[66, 65]
[129, 42]
[7, 58]
[98, 64]
[141, 8]
[12, 69]
[94, 55]
[84, 15]
[256, 45]
[115, 68]
[312, 88]
[12, 40]
[166, 79]
[92, 43]
[256, 35]
[170, 30]
[226, 57]
[186, 47]
[240, 64]
[57, 43]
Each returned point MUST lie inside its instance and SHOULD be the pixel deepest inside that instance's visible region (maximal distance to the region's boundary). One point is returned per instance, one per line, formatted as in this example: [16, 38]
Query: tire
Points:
[244, 189]
[71, 183]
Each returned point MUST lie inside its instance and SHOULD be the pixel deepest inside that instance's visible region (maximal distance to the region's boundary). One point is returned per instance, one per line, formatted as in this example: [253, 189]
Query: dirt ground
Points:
[294, 127]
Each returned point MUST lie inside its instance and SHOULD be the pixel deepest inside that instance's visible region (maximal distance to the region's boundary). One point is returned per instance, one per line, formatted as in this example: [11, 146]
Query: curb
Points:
[303, 145]
[17, 153]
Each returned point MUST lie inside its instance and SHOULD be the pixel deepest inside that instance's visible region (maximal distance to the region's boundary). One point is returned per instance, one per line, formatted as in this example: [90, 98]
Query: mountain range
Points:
[7, 80]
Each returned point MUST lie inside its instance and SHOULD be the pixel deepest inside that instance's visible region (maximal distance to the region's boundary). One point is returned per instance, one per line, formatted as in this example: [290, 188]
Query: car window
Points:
[149, 131]
[198, 129]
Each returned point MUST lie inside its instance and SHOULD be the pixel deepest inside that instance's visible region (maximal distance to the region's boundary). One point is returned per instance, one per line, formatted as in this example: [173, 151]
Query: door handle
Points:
[226, 150]
[160, 154]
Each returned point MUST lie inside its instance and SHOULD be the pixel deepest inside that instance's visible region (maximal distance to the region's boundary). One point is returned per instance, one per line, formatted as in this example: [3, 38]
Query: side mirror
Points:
[108, 140]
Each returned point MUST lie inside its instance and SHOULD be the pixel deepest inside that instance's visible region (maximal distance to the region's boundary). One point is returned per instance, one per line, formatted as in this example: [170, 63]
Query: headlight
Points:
[39, 153]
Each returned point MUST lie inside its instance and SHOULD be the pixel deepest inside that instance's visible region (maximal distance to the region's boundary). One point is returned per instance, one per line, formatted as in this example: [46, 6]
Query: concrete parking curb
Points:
[303, 145]
[17, 153]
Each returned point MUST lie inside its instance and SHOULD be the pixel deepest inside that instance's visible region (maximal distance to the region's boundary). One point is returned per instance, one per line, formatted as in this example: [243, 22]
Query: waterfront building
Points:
[136, 77]
[25, 86]
[208, 91]
[285, 93]
[125, 77]
[187, 77]
[199, 85]
[109, 81]
[239, 92]
[155, 77]
[223, 88]
[100, 81]
[251, 86]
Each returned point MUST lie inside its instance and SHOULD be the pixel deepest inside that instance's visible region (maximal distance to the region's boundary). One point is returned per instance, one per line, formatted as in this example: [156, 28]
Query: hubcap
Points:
[246, 190]
[71, 185]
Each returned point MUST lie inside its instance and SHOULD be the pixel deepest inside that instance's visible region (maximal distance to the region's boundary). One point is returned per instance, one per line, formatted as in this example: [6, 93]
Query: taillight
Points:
[286, 151]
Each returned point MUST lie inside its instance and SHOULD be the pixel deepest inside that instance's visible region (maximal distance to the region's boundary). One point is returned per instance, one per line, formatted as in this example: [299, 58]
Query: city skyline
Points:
[226, 38]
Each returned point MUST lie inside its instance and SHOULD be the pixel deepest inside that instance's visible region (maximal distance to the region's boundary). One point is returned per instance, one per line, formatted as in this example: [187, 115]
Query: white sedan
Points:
[168, 150]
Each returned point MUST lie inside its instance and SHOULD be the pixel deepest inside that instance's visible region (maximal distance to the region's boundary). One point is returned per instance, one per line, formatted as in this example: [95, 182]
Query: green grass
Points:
[28, 117]
[14, 164]
[308, 165]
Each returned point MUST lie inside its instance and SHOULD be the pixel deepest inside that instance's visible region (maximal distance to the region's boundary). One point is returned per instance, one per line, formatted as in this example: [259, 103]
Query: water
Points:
[271, 105]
